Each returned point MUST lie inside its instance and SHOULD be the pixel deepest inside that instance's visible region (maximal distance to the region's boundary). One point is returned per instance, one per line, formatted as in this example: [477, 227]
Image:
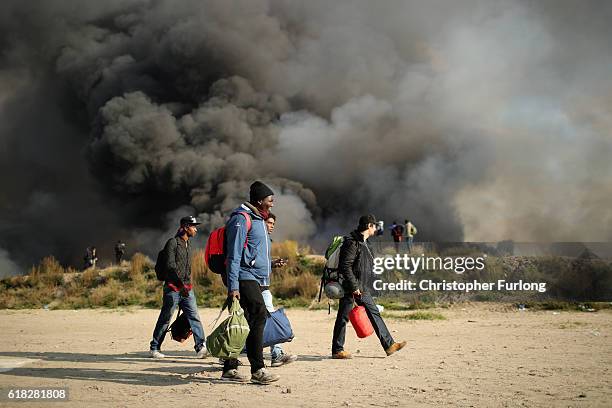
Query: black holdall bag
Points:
[180, 329]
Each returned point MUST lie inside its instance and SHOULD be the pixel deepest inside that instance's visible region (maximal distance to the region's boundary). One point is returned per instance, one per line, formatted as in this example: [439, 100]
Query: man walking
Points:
[355, 262]
[248, 269]
[178, 289]
[279, 357]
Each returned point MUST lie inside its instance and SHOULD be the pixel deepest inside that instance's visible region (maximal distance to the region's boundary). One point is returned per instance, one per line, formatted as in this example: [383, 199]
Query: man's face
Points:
[371, 229]
[267, 203]
[270, 222]
[191, 230]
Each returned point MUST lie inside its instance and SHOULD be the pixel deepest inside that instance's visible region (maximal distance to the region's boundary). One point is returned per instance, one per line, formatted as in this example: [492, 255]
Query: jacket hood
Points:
[247, 208]
[357, 236]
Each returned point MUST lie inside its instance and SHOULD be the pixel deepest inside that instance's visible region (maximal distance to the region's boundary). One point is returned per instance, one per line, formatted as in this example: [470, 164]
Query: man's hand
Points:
[234, 294]
[357, 293]
[184, 292]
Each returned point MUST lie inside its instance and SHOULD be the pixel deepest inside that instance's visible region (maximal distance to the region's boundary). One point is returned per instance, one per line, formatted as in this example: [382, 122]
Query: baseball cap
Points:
[189, 220]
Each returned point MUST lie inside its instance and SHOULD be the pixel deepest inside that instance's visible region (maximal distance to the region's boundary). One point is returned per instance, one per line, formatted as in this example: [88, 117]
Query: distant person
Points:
[355, 263]
[411, 231]
[279, 357]
[178, 290]
[248, 269]
[397, 232]
[91, 257]
[119, 252]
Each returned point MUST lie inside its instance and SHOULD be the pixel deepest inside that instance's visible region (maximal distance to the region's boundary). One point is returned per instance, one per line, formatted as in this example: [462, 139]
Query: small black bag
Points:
[180, 329]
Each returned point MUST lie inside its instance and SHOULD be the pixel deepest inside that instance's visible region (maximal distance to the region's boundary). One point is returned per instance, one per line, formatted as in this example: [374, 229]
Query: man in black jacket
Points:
[178, 289]
[355, 263]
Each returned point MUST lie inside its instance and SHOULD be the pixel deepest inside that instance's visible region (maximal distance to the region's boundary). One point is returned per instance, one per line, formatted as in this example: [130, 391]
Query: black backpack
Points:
[160, 265]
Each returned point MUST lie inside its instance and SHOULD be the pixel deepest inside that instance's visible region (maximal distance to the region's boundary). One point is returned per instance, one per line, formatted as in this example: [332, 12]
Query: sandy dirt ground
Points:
[483, 355]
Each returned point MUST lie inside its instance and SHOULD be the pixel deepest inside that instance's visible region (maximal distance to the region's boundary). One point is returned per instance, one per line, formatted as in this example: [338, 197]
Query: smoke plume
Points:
[476, 120]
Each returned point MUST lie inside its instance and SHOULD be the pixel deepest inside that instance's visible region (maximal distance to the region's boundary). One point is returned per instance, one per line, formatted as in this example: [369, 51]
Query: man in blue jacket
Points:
[248, 269]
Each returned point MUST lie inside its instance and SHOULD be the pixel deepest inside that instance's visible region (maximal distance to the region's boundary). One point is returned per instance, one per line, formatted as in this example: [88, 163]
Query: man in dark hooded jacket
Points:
[355, 263]
[178, 290]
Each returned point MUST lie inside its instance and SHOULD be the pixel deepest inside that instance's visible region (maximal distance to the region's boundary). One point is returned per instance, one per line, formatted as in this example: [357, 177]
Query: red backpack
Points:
[215, 254]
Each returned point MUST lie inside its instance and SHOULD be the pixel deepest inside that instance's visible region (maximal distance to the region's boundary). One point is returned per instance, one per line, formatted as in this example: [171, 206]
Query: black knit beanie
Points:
[259, 191]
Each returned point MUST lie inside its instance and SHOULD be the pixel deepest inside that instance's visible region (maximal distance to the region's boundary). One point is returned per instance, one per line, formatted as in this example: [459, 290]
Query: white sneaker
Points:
[203, 353]
[156, 354]
[284, 359]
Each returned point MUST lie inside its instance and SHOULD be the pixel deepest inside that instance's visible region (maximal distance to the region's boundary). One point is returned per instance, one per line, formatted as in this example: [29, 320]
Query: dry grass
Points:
[287, 285]
[134, 283]
[49, 272]
[420, 315]
[203, 278]
[139, 266]
[92, 278]
[51, 285]
[286, 249]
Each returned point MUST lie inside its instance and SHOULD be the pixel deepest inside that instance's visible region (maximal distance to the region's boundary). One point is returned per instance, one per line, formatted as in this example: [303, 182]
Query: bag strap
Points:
[214, 323]
[248, 219]
[178, 313]
[321, 287]
[225, 305]
[249, 225]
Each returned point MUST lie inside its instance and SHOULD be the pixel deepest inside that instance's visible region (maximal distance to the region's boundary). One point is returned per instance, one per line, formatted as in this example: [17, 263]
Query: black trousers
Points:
[255, 312]
[344, 308]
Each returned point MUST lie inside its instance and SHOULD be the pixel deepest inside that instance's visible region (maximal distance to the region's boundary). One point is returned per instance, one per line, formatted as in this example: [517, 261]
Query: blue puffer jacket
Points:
[252, 262]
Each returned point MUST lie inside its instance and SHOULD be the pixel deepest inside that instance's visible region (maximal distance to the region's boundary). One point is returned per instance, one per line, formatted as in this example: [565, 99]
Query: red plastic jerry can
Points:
[360, 321]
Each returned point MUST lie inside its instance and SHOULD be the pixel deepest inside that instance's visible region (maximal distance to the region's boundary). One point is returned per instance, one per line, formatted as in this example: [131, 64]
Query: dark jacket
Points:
[355, 261]
[178, 255]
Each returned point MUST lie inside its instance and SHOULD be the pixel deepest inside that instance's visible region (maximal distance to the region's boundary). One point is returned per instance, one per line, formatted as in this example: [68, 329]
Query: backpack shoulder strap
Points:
[248, 224]
[248, 219]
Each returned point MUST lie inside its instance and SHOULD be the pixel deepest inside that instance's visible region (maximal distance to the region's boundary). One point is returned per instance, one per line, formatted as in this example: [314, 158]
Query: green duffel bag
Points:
[229, 338]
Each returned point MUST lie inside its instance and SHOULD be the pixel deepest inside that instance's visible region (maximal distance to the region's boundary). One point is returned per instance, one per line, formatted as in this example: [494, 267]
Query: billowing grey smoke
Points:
[478, 120]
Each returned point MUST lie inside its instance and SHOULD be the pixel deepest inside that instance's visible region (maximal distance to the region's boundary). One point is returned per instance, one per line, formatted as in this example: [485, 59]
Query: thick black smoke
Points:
[477, 120]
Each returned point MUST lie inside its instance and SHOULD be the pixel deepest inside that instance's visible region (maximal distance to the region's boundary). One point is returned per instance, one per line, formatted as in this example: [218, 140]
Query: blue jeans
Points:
[189, 306]
[276, 349]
